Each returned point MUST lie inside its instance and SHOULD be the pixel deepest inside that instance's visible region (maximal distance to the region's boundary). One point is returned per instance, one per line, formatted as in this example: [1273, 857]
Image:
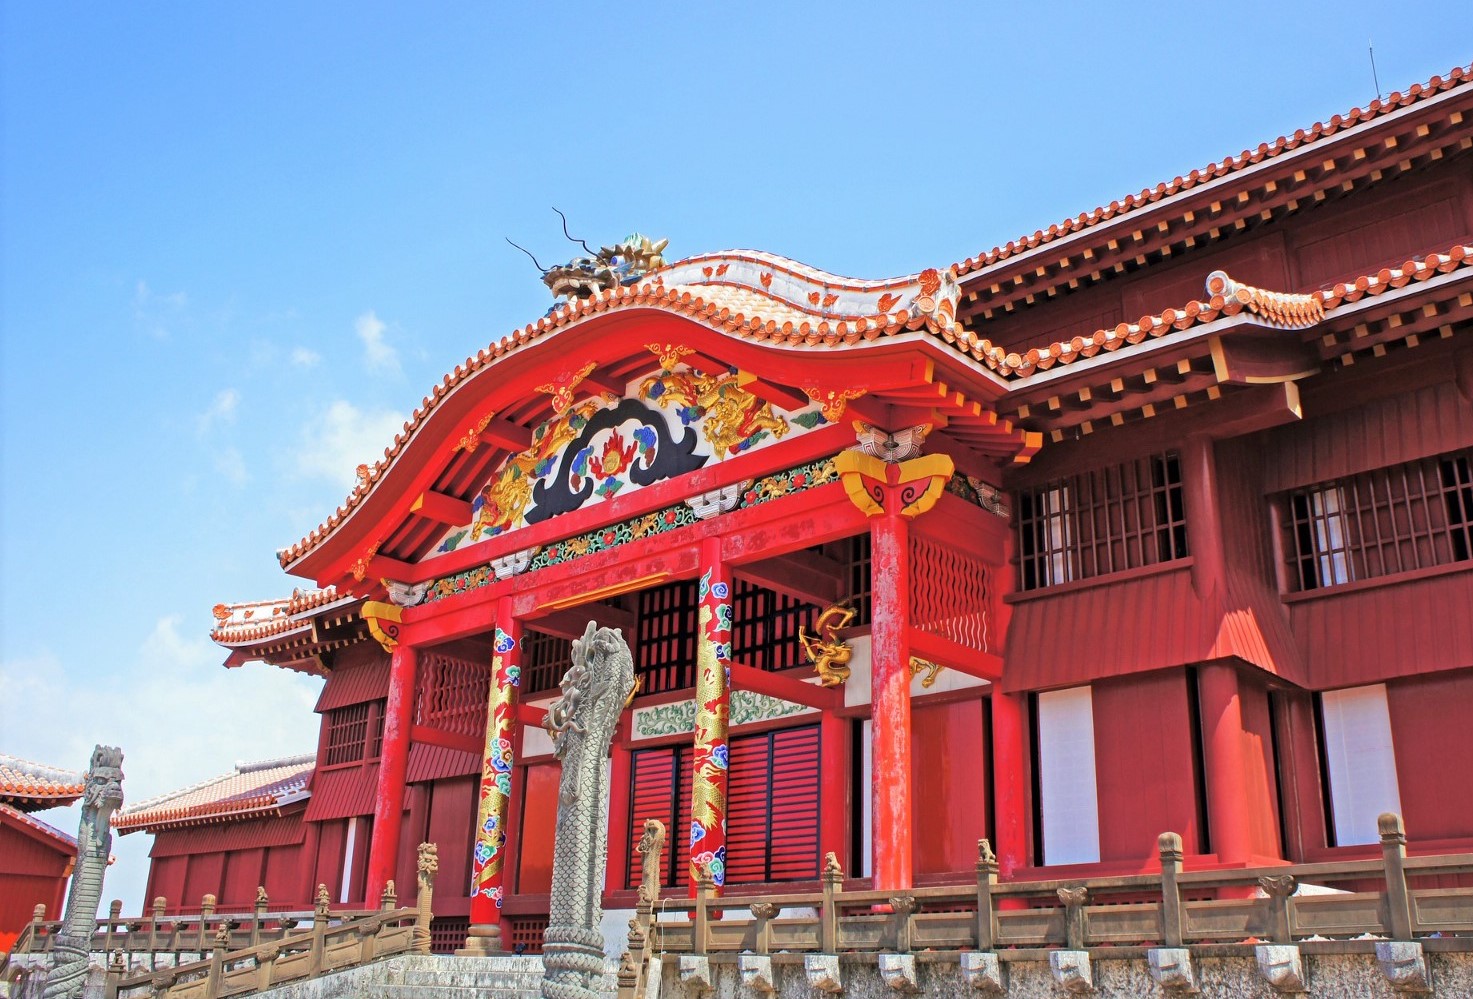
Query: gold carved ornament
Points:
[561, 388]
[383, 622]
[829, 653]
[907, 488]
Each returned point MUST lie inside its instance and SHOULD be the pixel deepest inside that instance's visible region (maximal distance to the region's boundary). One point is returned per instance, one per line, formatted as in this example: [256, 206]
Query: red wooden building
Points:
[231, 834]
[35, 859]
[1157, 519]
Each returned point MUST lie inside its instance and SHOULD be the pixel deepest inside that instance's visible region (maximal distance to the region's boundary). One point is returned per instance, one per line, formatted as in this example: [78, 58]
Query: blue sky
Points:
[239, 243]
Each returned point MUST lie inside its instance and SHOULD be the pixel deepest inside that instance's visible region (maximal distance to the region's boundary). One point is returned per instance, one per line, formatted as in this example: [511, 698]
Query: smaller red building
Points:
[35, 859]
[229, 835]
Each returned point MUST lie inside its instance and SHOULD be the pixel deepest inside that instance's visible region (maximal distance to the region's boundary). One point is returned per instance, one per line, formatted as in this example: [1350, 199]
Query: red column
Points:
[388, 803]
[1009, 782]
[489, 857]
[890, 775]
[1227, 785]
[709, 759]
[833, 816]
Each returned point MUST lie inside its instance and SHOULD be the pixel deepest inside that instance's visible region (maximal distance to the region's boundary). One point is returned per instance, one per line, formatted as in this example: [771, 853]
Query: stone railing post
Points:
[213, 980]
[426, 867]
[263, 901]
[266, 967]
[319, 930]
[1169, 844]
[1280, 891]
[155, 916]
[390, 898]
[903, 907]
[832, 880]
[1398, 922]
[986, 879]
[114, 916]
[38, 916]
[1075, 929]
[206, 911]
[704, 887]
[763, 913]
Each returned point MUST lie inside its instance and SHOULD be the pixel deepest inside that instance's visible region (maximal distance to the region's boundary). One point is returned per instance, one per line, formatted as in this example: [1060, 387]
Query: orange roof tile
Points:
[34, 785]
[248, 789]
[252, 621]
[1228, 298]
[1267, 150]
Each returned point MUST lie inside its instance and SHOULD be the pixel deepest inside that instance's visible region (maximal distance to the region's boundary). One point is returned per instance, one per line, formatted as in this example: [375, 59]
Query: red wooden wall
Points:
[31, 872]
[948, 766]
[1432, 731]
[1143, 764]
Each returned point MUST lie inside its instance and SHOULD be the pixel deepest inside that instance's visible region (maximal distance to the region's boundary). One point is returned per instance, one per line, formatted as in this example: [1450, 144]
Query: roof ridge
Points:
[1229, 164]
[42, 771]
[256, 766]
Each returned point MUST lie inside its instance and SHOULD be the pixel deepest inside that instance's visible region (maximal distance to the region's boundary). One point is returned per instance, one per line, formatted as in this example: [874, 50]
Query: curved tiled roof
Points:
[36, 785]
[1228, 298]
[760, 297]
[249, 788]
[1231, 164]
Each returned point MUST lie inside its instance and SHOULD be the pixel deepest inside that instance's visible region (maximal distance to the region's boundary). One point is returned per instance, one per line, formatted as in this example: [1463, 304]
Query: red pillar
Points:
[1009, 781]
[1227, 785]
[709, 760]
[833, 816]
[388, 803]
[488, 856]
[890, 775]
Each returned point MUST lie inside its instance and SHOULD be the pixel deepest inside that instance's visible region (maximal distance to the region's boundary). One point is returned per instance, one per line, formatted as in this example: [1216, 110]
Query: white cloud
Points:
[377, 353]
[178, 716]
[333, 444]
[230, 464]
[155, 313]
[222, 410]
[304, 357]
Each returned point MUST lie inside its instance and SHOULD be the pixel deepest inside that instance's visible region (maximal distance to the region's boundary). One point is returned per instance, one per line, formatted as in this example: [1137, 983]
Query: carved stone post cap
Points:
[985, 856]
[208, 901]
[160, 903]
[1169, 842]
[115, 908]
[39, 913]
[1390, 824]
[831, 868]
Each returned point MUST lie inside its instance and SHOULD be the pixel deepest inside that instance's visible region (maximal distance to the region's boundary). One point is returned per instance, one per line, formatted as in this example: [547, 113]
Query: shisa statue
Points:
[582, 723]
[103, 796]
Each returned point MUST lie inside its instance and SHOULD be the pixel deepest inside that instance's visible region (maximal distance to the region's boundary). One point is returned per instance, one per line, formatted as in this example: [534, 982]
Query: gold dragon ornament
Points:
[829, 653]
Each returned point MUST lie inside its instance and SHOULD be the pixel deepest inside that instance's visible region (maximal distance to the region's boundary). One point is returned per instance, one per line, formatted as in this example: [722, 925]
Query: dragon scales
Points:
[103, 796]
[581, 723]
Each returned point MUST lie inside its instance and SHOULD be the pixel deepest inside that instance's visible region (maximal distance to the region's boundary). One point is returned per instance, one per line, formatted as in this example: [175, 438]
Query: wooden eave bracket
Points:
[442, 509]
[927, 645]
[1259, 355]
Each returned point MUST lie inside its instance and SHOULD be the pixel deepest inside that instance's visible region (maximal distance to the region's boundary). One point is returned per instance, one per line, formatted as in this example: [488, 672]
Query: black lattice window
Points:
[526, 934]
[1107, 520]
[764, 630]
[668, 622]
[347, 733]
[448, 933]
[1396, 519]
[545, 658]
[854, 552]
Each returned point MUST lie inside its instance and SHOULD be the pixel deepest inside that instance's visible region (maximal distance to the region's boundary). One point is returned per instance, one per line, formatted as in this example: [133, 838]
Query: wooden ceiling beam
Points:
[442, 509]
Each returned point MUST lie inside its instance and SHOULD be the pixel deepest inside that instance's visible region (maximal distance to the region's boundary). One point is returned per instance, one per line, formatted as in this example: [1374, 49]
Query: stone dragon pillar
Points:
[102, 797]
[581, 723]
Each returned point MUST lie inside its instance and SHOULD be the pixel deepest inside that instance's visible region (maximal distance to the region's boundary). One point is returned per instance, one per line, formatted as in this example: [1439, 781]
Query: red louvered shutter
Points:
[795, 796]
[748, 809]
[679, 836]
[652, 785]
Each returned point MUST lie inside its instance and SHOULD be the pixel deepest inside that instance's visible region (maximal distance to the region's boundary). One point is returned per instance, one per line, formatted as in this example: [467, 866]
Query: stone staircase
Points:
[415, 976]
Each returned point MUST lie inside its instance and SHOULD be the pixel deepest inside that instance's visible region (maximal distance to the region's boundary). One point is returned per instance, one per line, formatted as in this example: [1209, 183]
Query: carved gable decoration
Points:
[665, 425]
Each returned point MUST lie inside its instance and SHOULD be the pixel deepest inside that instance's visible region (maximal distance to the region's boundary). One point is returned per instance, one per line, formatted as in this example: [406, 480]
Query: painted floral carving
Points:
[732, 419]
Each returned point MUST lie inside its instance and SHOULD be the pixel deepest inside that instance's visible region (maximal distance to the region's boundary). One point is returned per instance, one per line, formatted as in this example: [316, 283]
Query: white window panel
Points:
[1066, 776]
[1361, 761]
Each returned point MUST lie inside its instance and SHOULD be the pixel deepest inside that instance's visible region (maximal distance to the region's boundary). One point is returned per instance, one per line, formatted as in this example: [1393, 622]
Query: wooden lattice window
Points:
[854, 552]
[1396, 519]
[347, 733]
[545, 658]
[1102, 521]
[668, 621]
[764, 629]
[452, 694]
